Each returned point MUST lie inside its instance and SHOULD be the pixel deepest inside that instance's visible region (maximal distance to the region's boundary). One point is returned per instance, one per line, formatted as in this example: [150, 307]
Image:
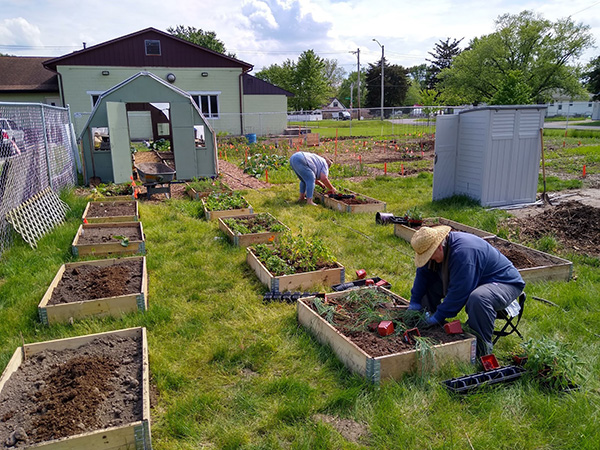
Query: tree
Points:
[592, 78]
[206, 39]
[419, 74]
[443, 55]
[512, 90]
[395, 85]
[334, 75]
[538, 49]
[343, 92]
[310, 82]
[282, 76]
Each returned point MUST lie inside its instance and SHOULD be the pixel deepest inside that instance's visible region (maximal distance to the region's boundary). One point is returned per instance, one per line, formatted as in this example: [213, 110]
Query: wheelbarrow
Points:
[154, 174]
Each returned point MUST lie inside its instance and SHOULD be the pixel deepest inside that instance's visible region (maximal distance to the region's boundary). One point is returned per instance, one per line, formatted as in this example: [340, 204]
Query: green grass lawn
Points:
[230, 371]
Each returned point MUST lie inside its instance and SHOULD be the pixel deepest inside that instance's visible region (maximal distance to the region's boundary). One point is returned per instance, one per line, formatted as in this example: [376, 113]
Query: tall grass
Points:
[230, 371]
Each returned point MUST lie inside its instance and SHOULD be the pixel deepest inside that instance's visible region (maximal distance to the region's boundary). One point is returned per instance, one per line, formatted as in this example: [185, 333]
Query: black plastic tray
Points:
[469, 383]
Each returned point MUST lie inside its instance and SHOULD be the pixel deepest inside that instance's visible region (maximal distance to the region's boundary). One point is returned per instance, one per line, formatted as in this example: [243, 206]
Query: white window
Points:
[208, 102]
[152, 47]
[94, 96]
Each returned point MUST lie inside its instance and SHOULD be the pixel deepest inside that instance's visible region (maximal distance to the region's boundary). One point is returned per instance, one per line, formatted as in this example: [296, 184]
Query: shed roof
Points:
[256, 86]
[130, 51]
[26, 74]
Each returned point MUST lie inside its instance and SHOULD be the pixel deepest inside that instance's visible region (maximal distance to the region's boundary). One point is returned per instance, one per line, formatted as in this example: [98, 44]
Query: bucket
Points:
[251, 138]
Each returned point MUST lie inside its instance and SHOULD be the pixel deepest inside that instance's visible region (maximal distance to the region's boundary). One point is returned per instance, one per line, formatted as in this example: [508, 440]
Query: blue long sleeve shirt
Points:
[472, 262]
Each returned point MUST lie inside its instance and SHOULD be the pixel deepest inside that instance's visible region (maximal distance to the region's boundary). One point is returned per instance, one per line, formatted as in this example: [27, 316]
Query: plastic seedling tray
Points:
[468, 383]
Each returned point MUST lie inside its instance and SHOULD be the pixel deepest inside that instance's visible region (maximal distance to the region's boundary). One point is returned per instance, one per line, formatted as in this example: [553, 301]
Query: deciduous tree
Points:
[538, 49]
[206, 39]
[592, 78]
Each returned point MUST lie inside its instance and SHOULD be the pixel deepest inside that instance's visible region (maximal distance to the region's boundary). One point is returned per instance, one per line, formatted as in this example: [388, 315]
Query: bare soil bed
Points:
[100, 235]
[111, 209]
[575, 225]
[56, 394]
[521, 258]
[88, 282]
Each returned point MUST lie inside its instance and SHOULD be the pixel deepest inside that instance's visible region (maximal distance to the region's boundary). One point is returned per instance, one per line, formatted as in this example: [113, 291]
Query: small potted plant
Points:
[414, 216]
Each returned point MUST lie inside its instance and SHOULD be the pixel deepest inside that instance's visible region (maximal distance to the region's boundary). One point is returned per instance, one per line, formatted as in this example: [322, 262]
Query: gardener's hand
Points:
[414, 306]
[429, 321]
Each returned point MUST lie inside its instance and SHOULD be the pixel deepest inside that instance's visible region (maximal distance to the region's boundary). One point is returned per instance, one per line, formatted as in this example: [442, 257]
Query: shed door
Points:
[118, 131]
[444, 168]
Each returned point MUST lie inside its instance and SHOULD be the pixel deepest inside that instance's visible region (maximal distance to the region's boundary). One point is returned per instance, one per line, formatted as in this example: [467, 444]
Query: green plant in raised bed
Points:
[303, 255]
[256, 164]
[225, 201]
[206, 185]
[259, 223]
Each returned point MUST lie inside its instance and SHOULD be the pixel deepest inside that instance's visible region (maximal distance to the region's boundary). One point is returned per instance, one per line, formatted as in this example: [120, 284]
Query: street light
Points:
[381, 76]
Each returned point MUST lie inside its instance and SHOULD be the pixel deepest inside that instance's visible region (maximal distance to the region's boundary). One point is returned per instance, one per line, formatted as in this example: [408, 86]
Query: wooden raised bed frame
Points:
[108, 248]
[381, 368]
[244, 240]
[195, 195]
[406, 232]
[108, 306]
[110, 219]
[297, 281]
[215, 215]
[560, 270]
[340, 205]
[135, 435]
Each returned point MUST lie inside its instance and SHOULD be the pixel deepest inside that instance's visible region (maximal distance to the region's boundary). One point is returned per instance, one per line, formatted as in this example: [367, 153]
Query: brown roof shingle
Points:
[26, 73]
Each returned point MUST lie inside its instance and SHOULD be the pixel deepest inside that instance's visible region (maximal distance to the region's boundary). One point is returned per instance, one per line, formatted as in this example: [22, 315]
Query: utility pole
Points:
[382, 56]
[357, 53]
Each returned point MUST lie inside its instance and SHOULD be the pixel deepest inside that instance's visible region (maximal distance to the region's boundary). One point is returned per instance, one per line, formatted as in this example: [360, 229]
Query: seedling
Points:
[124, 240]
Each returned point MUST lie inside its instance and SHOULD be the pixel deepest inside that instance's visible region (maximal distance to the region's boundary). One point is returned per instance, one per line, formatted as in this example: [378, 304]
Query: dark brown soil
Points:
[60, 393]
[346, 319]
[255, 223]
[111, 209]
[102, 235]
[521, 258]
[89, 282]
[576, 226]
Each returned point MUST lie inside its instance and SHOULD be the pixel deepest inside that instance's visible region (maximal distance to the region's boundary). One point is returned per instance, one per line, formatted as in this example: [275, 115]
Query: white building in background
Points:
[568, 108]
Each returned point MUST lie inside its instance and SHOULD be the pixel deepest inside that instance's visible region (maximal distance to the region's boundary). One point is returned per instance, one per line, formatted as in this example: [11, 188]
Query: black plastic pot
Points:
[469, 383]
[387, 218]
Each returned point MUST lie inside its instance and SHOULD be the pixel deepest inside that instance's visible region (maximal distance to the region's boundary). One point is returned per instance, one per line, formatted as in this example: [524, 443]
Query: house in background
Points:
[24, 79]
[335, 109]
[230, 99]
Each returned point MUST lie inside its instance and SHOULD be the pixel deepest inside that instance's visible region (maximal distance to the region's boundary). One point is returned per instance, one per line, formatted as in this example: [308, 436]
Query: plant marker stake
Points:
[402, 169]
[267, 175]
[135, 191]
[584, 171]
[336, 136]
[85, 220]
[385, 168]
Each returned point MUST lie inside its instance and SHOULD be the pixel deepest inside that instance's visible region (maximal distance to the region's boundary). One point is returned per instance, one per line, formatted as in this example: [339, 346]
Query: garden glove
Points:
[414, 306]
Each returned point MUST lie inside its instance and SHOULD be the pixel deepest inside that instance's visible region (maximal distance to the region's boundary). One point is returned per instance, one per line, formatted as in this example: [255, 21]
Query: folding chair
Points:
[511, 320]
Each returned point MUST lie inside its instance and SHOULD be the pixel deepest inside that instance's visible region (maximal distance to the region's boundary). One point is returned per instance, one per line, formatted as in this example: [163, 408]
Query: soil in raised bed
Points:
[89, 282]
[103, 235]
[520, 257]
[346, 319]
[60, 393]
[257, 223]
[111, 209]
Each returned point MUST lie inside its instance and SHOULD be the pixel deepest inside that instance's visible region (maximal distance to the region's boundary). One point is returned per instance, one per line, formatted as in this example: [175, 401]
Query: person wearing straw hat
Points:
[311, 169]
[465, 271]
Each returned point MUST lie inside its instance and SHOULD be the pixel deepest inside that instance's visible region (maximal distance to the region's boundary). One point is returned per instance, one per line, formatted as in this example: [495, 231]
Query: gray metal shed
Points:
[491, 154]
[193, 158]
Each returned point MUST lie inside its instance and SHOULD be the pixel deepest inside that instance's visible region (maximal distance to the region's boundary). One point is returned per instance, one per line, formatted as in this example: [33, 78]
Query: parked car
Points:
[12, 138]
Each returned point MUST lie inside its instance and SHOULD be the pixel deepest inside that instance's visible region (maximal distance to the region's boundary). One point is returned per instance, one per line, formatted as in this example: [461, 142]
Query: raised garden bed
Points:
[111, 212]
[534, 265]
[252, 229]
[351, 202]
[406, 232]
[108, 287]
[228, 204]
[125, 238]
[294, 263]
[198, 189]
[359, 346]
[88, 392]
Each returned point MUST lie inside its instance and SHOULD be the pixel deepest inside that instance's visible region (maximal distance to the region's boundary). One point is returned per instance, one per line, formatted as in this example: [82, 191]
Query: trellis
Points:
[38, 215]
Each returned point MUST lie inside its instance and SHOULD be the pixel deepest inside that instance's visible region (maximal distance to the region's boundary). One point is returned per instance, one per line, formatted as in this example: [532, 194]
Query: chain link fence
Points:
[38, 150]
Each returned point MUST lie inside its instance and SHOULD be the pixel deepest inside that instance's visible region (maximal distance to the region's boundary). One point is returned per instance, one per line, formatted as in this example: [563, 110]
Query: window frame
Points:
[197, 98]
[149, 43]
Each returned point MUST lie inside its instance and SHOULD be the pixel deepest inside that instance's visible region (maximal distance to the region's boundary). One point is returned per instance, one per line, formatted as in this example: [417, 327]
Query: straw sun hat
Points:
[426, 240]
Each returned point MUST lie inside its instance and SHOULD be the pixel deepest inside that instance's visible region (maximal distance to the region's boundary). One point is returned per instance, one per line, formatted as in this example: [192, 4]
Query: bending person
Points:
[465, 271]
[311, 169]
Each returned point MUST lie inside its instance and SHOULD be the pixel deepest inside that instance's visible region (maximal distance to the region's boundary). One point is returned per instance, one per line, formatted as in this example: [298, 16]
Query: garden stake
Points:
[584, 171]
[385, 168]
[267, 175]
[402, 169]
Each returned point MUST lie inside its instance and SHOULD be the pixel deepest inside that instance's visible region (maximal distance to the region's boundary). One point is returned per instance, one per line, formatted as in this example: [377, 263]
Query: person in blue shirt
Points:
[311, 169]
[465, 271]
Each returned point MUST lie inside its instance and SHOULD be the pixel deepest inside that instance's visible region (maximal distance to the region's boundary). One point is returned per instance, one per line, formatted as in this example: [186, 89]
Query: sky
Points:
[266, 32]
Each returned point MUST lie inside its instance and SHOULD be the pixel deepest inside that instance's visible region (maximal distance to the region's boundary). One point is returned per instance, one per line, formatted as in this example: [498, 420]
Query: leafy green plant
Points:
[414, 213]
[206, 185]
[553, 362]
[124, 240]
[161, 145]
[112, 190]
[258, 163]
[259, 223]
[225, 201]
[324, 310]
